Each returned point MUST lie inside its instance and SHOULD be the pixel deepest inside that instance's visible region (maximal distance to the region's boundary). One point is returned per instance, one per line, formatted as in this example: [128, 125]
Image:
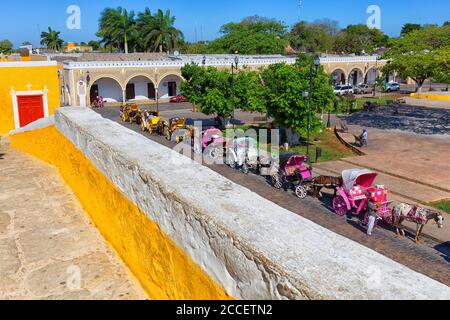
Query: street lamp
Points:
[234, 65]
[335, 78]
[312, 74]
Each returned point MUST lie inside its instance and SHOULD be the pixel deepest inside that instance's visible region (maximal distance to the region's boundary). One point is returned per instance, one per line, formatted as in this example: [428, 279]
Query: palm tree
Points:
[51, 39]
[117, 26]
[146, 23]
[162, 34]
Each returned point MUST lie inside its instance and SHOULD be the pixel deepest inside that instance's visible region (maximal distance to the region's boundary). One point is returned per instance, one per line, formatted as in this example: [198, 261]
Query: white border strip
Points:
[25, 64]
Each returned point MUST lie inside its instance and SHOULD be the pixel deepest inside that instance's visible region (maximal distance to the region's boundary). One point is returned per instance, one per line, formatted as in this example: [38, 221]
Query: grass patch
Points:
[332, 148]
[443, 205]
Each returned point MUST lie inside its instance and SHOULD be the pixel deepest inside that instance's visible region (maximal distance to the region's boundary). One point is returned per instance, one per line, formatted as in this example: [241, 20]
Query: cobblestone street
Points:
[48, 247]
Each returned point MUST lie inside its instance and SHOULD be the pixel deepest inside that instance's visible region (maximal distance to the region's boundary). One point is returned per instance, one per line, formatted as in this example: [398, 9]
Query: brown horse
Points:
[418, 215]
[326, 182]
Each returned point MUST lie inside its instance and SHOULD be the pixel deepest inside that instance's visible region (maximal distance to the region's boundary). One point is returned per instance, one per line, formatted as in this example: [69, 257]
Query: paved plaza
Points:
[48, 247]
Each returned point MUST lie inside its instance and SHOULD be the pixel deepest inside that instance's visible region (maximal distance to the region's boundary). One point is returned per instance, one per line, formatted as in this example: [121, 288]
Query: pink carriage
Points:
[212, 141]
[358, 188]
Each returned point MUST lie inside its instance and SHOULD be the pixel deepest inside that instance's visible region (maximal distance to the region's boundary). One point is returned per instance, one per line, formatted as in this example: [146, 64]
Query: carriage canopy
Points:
[292, 159]
[357, 177]
[246, 143]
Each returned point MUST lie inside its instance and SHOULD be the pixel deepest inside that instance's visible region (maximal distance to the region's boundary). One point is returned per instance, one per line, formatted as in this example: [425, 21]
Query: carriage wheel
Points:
[245, 168]
[214, 153]
[301, 192]
[167, 134]
[276, 182]
[143, 128]
[150, 129]
[339, 206]
[232, 164]
[124, 117]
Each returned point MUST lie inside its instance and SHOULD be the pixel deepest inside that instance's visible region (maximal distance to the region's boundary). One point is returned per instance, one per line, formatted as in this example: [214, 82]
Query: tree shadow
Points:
[444, 250]
[2, 156]
[420, 120]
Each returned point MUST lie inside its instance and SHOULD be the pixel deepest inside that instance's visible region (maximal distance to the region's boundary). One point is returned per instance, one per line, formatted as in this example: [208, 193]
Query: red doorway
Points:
[31, 108]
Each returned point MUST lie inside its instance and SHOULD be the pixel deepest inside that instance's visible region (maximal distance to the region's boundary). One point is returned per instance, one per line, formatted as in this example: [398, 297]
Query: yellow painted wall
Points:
[163, 269]
[430, 96]
[18, 78]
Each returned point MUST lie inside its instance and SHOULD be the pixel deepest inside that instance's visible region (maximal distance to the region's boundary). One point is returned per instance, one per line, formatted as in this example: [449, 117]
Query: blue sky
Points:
[24, 20]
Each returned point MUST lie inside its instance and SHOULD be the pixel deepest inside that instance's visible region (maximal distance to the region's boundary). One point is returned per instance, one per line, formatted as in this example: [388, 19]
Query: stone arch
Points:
[339, 76]
[355, 76]
[145, 75]
[143, 87]
[111, 89]
[169, 85]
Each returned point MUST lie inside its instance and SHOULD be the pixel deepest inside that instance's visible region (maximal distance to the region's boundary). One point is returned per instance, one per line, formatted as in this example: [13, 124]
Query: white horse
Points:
[418, 215]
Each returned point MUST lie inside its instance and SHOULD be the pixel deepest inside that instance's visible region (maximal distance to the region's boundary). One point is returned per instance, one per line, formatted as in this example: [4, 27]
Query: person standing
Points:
[373, 216]
[364, 138]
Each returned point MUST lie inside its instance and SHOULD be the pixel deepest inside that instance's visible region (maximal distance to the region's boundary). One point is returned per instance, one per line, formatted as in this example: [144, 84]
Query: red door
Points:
[31, 108]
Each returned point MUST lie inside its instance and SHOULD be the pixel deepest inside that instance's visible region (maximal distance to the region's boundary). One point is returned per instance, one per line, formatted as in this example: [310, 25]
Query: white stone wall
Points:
[253, 248]
[141, 88]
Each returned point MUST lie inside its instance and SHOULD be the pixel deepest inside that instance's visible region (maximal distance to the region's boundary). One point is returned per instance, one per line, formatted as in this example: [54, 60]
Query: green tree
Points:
[208, 89]
[6, 47]
[285, 103]
[306, 37]
[358, 39]
[117, 27]
[442, 65]
[96, 45]
[51, 39]
[409, 27]
[159, 33]
[276, 91]
[250, 93]
[253, 35]
[420, 54]
[194, 48]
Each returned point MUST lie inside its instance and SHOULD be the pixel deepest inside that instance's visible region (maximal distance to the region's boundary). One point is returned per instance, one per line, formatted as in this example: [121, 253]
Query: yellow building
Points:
[73, 47]
[28, 91]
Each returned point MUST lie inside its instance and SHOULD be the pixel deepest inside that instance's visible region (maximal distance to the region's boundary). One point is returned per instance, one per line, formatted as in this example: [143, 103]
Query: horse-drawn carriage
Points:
[174, 129]
[244, 153]
[212, 141]
[357, 190]
[150, 121]
[131, 113]
[291, 169]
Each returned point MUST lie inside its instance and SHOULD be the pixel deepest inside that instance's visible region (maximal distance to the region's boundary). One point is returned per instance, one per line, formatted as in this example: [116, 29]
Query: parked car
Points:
[392, 87]
[178, 99]
[342, 90]
[363, 89]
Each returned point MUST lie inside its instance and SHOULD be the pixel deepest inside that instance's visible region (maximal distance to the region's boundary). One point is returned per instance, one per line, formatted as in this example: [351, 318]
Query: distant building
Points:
[29, 91]
[73, 47]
